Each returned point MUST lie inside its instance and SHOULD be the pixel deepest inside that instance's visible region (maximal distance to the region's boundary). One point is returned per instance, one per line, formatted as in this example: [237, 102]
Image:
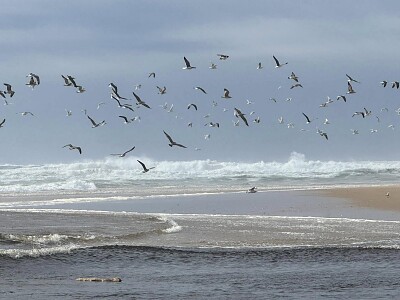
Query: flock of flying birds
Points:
[121, 101]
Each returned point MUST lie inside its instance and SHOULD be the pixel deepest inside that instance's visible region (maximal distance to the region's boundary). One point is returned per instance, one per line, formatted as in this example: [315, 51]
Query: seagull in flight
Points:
[172, 142]
[350, 88]
[321, 133]
[238, 114]
[192, 105]
[351, 79]
[200, 89]
[25, 113]
[223, 56]
[127, 106]
[123, 154]
[140, 101]
[35, 78]
[341, 97]
[384, 83]
[145, 170]
[71, 147]
[126, 120]
[187, 65]
[226, 94]
[278, 65]
[96, 124]
[152, 74]
[9, 89]
[395, 84]
[162, 90]
[212, 66]
[293, 77]
[259, 67]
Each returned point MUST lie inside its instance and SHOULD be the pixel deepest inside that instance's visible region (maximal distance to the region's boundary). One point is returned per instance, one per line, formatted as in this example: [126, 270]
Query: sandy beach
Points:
[373, 197]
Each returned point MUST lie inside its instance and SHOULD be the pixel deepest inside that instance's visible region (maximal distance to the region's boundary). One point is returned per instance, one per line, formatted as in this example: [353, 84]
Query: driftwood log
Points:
[99, 279]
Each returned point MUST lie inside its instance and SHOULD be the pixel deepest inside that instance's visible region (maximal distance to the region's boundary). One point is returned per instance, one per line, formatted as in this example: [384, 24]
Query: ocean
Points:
[189, 230]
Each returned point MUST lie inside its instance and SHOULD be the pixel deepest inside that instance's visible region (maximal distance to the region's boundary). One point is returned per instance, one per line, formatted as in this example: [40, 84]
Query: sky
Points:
[99, 42]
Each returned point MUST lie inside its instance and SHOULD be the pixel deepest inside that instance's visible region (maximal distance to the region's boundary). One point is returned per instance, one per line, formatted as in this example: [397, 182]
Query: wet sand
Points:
[372, 197]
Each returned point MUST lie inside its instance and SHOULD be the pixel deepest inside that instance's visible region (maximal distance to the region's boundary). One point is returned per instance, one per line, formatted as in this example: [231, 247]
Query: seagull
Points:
[290, 125]
[237, 113]
[223, 56]
[296, 85]
[211, 124]
[171, 109]
[123, 154]
[367, 112]
[32, 83]
[373, 130]
[387, 194]
[236, 123]
[145, 170]
[152, 74]
[251, 190]
[162, 90]
[395, 84]
[391, 126]
[36, 78]
[278, 65]
[24, 113]
[200, 89]
[354, 131]
[248, 102]
[207, 136]
[114, 92]
[280, 120]
[140, 101]
[80, 89]
[321, 133]
[71, 147]
[96, 124]
[293, 77]
[2, 123]
[351, 79]
[384, 83]
[192, 105]
[127, 106]
[164, 106]
[9, 89]
[359, 113]
[100, 104]
[326, 122]
[190, 124]
[226, 94]
[329, 100]
[187, 63]
[69, 112]
[341, 97]
[137, 87]
[259, 67]
[257, 120]
[350, 88]
[214, 103]
[71, 80]
[67, 82]
[308, 119]
[172, 142]
[126, 120]
[212, 66]
[272, 99]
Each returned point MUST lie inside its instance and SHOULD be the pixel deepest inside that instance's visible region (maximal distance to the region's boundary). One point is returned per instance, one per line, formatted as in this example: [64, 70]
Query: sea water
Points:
[206, 239]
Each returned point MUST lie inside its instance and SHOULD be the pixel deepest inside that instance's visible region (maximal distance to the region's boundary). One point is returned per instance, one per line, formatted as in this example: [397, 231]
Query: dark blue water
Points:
[159, 273]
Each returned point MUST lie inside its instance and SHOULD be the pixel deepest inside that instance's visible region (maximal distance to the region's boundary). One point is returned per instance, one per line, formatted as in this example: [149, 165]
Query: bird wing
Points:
[1, 124]
[169, 137]
[123, 117]
[308, 120]
[276, 60]
[91, 120]
[186, 62]
[143, 165]
[129, 150]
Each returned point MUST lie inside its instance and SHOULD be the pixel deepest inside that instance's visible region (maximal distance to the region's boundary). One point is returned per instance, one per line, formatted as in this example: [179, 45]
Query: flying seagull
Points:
[278, 65]
[71, 147]
[237, 113]
[226, 94]
[123, 154]
[223, 56]
[321, 133]
[350, 88]
[32, 83]
[126, 121]
[114, 92]
[384, 83]
[9, 89]
[162, 90]
[296, 85]
[152, 74]
[395, 84]
[259, 66]
[36, 78]
[187, 63]
[192, 105]
[140, 101]
[351, 79]
[341, 97]
[293, 77]
[200, 89]
[145, 170]
[96, 124]
[127, 106]
[212, 66]
[172, 142]
[67, 82]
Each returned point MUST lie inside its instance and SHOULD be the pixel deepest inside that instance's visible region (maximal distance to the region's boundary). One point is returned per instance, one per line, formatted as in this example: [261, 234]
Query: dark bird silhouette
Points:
[145, 170]
[237, 113]
[172, 142]
[71, 147]
[123, 154]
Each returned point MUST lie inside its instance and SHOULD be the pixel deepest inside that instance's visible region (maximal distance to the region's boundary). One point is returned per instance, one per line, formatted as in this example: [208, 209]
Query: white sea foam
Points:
[113, 173]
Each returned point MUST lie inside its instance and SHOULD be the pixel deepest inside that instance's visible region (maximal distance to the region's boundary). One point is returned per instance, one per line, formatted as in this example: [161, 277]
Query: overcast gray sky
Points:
[99, 42]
